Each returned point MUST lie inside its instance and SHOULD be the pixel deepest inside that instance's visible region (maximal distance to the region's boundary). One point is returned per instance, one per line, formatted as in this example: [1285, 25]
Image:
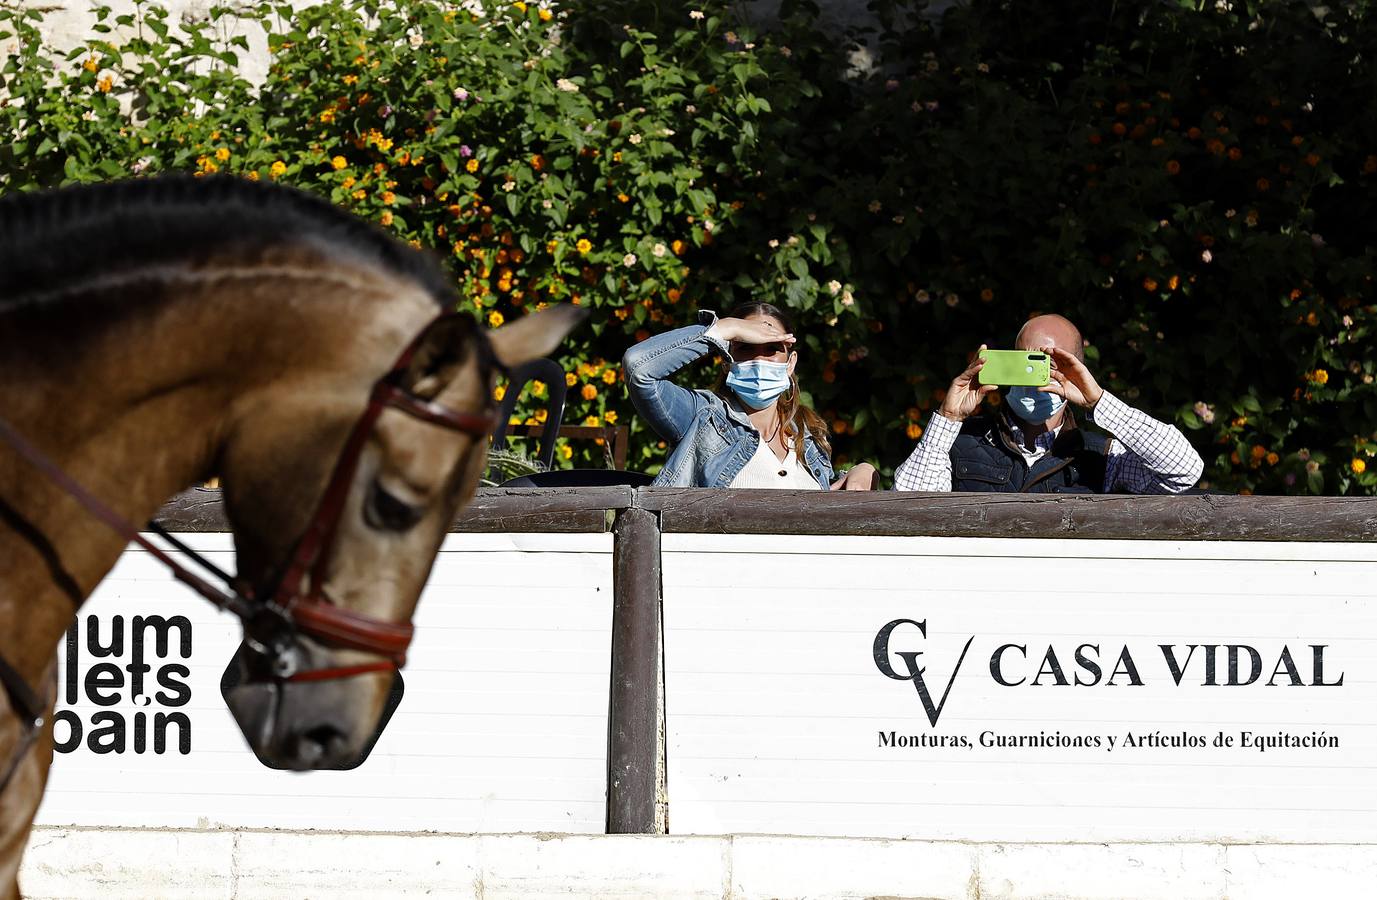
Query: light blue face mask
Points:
[758, 382]
[1034, 406]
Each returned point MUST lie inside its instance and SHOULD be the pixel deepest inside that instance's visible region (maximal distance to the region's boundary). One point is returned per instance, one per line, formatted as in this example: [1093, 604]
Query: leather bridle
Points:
[295, 603]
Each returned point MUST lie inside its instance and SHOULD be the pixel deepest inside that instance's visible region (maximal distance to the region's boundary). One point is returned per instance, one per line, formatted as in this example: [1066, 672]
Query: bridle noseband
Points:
[295, 603]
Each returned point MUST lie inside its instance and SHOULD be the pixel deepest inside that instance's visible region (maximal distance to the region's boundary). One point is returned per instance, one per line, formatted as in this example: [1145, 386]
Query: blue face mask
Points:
[1034, 406]
[758, 382]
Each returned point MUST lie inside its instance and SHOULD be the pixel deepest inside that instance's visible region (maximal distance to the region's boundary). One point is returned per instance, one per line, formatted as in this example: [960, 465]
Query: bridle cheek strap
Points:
[313, 614]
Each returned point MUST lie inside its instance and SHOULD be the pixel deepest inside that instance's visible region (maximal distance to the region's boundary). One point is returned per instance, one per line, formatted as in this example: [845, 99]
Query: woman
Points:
[752, 432]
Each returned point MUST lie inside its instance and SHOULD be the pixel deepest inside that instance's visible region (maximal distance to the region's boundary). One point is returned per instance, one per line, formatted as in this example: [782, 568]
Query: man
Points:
[1033, 443]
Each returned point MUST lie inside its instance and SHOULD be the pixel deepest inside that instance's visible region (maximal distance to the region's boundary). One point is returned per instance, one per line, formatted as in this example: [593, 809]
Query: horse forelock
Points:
[57, 244]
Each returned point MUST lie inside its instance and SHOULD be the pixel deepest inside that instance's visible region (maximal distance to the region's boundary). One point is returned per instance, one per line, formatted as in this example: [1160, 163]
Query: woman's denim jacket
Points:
[712, 440]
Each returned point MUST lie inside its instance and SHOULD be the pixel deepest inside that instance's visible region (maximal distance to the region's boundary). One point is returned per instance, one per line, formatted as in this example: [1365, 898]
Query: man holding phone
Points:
[1033, 443]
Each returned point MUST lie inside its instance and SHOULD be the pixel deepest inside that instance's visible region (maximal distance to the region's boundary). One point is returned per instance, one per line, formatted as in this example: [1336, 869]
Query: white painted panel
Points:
[775, 705]
[503, 726]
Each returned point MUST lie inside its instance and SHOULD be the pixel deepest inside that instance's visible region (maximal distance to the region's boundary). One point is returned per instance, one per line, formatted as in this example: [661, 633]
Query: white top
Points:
[765, 470]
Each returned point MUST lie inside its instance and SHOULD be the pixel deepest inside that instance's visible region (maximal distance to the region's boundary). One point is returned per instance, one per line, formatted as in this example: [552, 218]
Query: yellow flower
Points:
[471, 165]
[389, 198]
[339, 162]
[545, 14]
[609, 377]
[351, 79]
[384, 144]
[566, 451]
[327, 116]
[1358, 465]
[610, 416]
[589, 392]
[583, 246]
[252, 176]
[90, 64]
[499, 392]
[277, 169]
[105, 84]
[495, 319]
[360, 194]
[592, 422]
[677, 247]
[222, 154]
[571, 379]
[520, 7]
[348, 182]
[1320, 377]
[541, 415]
[386, 218]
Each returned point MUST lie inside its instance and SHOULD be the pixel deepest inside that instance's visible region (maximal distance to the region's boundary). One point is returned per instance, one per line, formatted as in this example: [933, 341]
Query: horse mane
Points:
[52, 242]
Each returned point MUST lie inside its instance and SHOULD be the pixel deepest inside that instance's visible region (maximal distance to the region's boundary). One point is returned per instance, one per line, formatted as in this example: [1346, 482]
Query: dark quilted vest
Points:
[981, 460]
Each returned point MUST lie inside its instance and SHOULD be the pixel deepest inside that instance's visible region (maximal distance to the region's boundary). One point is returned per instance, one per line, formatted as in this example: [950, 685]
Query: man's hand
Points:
[1071, 379]
[965, 393]
[861, 477]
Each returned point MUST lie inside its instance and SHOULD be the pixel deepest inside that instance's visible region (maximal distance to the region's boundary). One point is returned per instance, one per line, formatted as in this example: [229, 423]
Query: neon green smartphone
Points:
[1015, 367]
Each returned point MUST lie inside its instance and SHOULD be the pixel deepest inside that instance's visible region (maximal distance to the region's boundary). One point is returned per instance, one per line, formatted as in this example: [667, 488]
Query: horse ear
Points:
[535, 335]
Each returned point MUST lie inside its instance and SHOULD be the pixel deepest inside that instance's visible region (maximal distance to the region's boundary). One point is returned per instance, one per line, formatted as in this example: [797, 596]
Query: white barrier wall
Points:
[802, 760]
[781, 719]
[503, 726]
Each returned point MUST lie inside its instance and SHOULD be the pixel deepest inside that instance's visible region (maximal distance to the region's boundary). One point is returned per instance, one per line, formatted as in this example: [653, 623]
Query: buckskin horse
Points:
[155, 333]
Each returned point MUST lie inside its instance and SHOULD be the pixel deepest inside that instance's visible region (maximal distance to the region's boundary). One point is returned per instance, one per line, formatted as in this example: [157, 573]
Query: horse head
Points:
[319, 662]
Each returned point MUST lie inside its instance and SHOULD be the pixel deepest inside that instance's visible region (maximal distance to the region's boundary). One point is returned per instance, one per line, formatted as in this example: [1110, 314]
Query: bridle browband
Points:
[296, 603]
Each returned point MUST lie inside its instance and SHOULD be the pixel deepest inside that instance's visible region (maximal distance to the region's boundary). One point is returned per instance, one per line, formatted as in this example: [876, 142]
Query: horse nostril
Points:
[316, 746]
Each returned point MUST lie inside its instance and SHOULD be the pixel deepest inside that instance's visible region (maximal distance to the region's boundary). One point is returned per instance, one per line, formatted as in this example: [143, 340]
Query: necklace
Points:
[779, 423]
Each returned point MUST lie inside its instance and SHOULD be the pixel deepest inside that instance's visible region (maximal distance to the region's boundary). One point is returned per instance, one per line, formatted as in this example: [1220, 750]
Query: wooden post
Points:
[633, 727]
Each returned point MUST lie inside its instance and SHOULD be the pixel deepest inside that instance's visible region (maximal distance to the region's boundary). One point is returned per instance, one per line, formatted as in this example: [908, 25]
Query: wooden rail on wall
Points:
[638, 517]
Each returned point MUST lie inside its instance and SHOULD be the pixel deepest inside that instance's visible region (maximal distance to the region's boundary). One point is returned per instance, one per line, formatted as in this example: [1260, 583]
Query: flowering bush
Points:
[1192, 185]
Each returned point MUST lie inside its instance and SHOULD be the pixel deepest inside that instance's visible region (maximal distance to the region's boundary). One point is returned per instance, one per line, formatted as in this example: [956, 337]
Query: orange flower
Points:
[1235, 154]
[1358, 466]
[609, 377]
[386, 218]
[1119, 129]
[986, 295]
[589, 392]
[1312, 159]
[1258, 451]
[538, 162]
[1173, 282]
[914, 431]
[678, 246]
[1272, 459]
[105, 84]
[1173, 167]
[1263, 184]
[1149, 284]
[1194, 133]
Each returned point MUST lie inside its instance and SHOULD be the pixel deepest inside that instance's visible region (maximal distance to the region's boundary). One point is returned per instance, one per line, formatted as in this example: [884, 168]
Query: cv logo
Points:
[915, 671]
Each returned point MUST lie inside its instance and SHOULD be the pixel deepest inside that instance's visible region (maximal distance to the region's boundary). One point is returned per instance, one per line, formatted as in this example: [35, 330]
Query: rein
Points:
[296, 604]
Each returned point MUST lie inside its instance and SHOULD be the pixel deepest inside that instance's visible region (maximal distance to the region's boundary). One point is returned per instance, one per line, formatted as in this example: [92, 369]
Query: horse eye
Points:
[386, 512]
